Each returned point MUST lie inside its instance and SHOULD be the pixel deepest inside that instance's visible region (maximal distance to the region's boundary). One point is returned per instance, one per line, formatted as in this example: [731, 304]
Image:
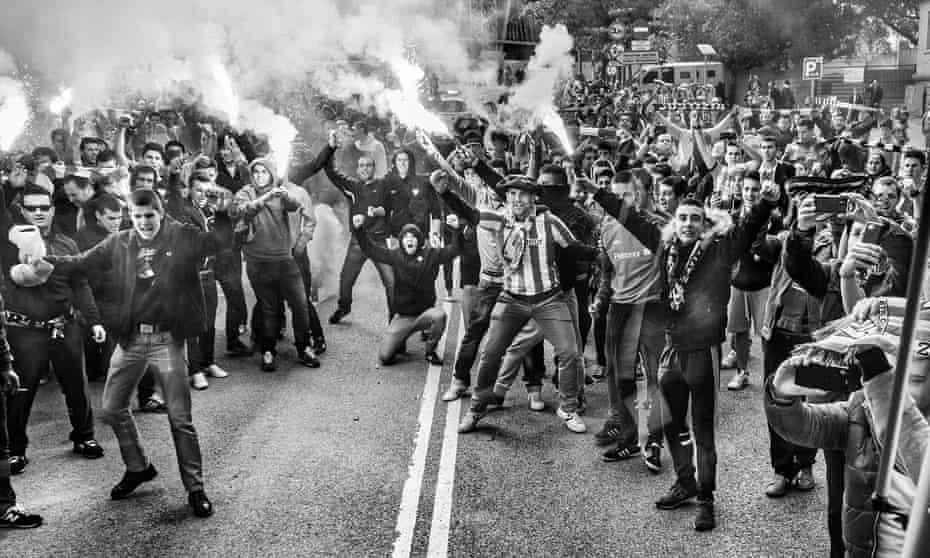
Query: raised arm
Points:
[647, 232]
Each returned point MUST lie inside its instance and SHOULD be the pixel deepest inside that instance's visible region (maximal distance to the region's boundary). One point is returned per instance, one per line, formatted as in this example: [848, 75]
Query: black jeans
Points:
[7, 495]
[835, 461]
[97, 356]
[303, 263]
[582, 292]
[227, 267]
[274, 283]
[201, 350]
[485, 297]
[351, 268]
[692, 376]
[33, 350]
[787, 458]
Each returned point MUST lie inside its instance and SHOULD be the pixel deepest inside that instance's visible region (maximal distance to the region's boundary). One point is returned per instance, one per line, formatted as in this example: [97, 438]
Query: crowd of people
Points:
[116, 249]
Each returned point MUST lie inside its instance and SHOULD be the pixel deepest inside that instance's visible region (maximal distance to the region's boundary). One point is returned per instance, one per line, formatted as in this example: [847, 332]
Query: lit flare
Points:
[14, 111]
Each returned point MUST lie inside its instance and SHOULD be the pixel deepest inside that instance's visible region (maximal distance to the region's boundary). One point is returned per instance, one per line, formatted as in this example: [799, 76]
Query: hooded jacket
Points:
[278, 223]
[414, 275]
[411, 199]
[701, 321]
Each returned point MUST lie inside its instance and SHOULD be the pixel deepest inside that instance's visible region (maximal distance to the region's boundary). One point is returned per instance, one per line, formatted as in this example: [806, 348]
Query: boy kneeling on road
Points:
[416, 266]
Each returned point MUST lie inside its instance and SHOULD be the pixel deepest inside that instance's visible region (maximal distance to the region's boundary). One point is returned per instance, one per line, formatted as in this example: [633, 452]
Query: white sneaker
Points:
[536, 401]
[199, 381]
[739, 381]
[729, 361]
[456, 389]
[572, 421]
[214, 371]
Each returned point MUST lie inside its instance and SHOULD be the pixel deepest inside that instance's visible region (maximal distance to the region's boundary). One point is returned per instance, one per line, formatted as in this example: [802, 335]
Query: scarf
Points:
[677, 284]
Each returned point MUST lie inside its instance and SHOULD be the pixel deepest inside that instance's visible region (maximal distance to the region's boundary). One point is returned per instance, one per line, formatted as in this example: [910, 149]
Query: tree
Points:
[901, 16]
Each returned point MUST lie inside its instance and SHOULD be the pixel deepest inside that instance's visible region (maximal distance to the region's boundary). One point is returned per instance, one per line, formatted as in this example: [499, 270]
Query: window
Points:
[711, 74]
[684, 75]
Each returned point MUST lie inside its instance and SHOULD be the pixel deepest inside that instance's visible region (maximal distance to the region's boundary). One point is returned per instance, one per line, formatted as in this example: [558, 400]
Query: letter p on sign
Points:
[813, 68]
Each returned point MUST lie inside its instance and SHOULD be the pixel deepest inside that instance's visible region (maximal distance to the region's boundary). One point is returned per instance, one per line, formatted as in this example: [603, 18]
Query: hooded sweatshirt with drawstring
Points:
[278, 223]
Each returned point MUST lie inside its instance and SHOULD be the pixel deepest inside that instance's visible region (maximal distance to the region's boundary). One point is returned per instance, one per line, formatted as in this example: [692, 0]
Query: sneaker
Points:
[598, 373]
[338, 315]
[469, 422]
[131, 481]
[804, 480]
[153, 405]
[18, 464]
[214, 371]
[778, 486]
[318, 344]
[456, 389]
[678, 495]
[653, 457]
[15, 518]
[89, 449]
[237, 348]
[572, 421]
[704, 518]
[729, 361]
[497, 399]
[268, 363]
[610, 433]
[684, 438]
[199, 381]
[433, 358]
[739, 381]
[622, 452]
[200, 503]
[536, 402]
[307, 358]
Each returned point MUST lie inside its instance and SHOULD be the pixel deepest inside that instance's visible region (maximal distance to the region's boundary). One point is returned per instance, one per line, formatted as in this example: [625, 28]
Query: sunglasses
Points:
[34, 208]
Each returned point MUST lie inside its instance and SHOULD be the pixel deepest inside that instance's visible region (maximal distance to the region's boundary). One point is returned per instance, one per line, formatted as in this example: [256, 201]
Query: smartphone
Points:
[828, 378]
[830, 204]
[873, 232]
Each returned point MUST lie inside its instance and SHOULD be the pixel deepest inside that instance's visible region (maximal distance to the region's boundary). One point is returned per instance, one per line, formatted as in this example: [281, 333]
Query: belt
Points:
[55, 325]
[149, 329]
[536, 298]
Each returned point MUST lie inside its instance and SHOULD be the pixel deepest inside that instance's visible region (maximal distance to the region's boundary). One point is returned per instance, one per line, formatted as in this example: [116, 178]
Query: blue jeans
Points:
[165, 357]
[480, 304]
[432, 320]
[554, 318]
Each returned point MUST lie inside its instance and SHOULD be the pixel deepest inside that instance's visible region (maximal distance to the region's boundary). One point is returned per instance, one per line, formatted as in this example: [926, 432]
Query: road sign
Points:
[639, 57]
[640, 45]
[812, 68]
[612, 68]
[615, 50]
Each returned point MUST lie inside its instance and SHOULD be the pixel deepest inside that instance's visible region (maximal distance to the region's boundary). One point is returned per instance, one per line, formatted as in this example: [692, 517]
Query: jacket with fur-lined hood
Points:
[702, 319]
[279, 223]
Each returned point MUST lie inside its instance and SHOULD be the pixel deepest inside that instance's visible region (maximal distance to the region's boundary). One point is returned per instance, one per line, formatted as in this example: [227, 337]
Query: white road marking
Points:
[445, 483]
[410, 497]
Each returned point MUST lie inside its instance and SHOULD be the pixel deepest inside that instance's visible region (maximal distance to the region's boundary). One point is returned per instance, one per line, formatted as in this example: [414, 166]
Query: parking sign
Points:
[813, 68]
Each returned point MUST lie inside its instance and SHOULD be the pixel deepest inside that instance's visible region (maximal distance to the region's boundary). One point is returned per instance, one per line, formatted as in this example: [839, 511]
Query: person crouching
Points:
[415, 266]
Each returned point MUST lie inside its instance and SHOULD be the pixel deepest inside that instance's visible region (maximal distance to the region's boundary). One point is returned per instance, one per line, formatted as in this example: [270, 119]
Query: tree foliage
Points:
[902, 16]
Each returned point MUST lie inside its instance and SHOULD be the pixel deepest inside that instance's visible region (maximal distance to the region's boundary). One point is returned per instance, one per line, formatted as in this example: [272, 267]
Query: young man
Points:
[693, 259]
[532, 290]
[370, 147]
[266, 207]
[12, 516]
[43, 327]
[416, 266]
[367, 196]
[161, 304]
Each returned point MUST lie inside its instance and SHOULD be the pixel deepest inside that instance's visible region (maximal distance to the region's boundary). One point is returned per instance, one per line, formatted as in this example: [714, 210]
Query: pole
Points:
[813, 91]
[890, 443]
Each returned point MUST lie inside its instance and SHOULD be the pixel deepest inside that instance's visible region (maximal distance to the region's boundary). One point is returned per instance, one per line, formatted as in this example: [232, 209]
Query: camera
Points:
[830, 204]
[829, 378]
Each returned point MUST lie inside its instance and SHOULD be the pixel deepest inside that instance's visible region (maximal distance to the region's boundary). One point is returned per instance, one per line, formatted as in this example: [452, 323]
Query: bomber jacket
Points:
[181, 250]
[702, 321]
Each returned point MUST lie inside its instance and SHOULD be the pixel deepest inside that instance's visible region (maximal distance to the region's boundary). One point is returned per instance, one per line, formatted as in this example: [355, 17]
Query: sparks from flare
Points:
[405, 103]
[62, 101]
[224, 97]
[14, 112]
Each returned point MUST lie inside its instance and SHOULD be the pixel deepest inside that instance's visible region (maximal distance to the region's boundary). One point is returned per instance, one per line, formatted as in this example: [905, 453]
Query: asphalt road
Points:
[349, 460]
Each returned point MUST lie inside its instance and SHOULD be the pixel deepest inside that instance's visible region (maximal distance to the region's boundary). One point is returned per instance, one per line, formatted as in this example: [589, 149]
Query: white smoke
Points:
[14, 107]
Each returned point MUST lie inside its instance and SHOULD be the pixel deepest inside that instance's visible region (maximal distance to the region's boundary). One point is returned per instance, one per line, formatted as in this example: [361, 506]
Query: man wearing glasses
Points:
[43, 326]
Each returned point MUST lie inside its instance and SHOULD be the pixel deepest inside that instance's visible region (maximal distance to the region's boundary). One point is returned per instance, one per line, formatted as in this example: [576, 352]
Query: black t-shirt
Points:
[148, 297]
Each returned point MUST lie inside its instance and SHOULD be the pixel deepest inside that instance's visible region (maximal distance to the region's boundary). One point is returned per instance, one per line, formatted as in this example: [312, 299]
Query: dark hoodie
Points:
[414, 275]
[411, 199]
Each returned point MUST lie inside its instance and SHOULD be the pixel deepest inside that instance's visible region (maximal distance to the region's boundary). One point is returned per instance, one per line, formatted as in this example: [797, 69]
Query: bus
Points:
[682, 73]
